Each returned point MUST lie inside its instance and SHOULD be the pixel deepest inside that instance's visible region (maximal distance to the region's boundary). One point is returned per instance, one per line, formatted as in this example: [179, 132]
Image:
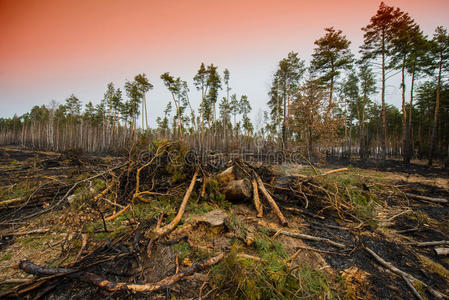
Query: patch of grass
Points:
[434, 267]
[35, 242]
[269, 278]
[13, 162]
[6, 257]
[237, 226]
[21, 190]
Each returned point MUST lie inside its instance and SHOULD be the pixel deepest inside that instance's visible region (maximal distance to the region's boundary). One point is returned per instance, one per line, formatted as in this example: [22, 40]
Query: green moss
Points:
[199, 208]
[182, 249]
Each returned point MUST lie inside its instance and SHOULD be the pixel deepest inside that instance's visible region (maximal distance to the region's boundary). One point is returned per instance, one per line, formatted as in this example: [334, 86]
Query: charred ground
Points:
[81, 213]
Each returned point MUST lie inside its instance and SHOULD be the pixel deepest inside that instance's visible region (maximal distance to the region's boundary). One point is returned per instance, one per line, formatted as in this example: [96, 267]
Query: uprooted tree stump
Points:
[240, 182]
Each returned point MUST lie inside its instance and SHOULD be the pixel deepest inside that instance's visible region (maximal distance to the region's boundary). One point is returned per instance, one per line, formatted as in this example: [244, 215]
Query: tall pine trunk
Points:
[404, 114]
[435, 117]
[384, 118]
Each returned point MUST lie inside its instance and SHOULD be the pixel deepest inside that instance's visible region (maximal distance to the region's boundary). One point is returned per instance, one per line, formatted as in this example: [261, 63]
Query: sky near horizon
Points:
[50, 49]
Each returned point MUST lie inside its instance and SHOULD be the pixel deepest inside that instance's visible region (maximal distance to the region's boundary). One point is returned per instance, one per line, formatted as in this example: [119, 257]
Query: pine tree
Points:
[378, 36]
[330, 57]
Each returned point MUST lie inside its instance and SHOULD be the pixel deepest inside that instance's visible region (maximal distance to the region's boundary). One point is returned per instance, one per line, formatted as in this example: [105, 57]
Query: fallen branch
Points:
[10, 201]
[110, 286]
[320, 175]
[168, 228]
[305, 237]
[427, 198]
[430, 244]
[271, 201]
[403, 274]
[36, 231]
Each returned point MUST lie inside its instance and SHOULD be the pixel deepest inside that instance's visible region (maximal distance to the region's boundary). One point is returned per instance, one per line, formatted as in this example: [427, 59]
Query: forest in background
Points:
[330, 106]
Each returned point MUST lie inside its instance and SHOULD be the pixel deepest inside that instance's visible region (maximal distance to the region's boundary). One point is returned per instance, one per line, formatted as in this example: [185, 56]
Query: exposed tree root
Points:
[110, 286]
[169, 228]
[121, 212]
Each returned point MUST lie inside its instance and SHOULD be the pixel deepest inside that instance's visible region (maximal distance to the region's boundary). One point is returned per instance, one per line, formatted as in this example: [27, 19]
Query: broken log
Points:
[256, 199]
[442, 251]
[427, 198]
[237, 190]
[110, 286]
[271, 201]
[226, 176]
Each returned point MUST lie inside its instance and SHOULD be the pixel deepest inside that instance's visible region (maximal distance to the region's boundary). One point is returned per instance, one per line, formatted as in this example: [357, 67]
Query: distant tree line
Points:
[328, 106]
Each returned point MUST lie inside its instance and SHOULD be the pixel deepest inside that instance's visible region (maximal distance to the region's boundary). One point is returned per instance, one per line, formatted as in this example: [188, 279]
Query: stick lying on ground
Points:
[110, 286]
[320, 175]
[302, 236]
[401, 273]
[426, 198]
[430, 244]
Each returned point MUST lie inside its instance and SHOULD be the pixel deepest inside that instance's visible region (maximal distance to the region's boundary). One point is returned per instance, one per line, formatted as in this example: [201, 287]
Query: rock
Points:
[214, 218]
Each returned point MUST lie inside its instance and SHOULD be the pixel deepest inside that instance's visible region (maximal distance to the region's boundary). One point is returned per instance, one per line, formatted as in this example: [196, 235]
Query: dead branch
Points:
[403, 274]
[271, 201]
[84, 238]
[110, 286]
[301, 235]
[427, 198]
[10, 201]
[168, 228]
[412, 288]
[320, 175]
[430, 244]
[36, 231]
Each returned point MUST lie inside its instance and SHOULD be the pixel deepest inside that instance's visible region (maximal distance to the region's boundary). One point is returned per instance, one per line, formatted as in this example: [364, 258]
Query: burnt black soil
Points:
[391, 165]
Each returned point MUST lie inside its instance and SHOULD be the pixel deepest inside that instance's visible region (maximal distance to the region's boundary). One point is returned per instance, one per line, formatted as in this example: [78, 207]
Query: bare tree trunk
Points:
[409, 142]
[384, 120]
[404, 115]
[435, 117]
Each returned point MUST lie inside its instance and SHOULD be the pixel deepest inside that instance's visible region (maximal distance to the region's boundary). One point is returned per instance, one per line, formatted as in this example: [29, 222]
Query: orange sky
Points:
[49, 49]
